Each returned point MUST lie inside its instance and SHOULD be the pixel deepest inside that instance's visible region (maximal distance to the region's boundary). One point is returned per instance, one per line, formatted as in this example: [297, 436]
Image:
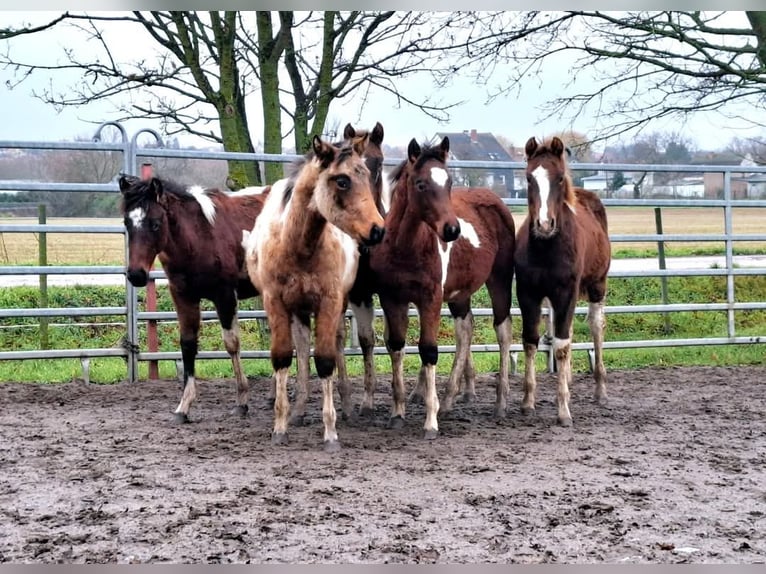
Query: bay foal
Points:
[302, 256]
[440, 247]
[562, 253]
[197, 235]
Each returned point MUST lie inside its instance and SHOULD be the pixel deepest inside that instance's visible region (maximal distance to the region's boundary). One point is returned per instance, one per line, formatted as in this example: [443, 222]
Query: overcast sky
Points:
[516, 117]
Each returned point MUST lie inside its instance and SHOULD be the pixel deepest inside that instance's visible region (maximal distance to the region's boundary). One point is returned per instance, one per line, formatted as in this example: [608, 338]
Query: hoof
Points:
[367, 412]
[498, 414]
[181, 418]
[331, 445]
[528, 411]
[430, 434]
[278, 438]
[240, 410]
[298, 420]
[468, 398]
[602, 401]
[396, 422]
[565, 422]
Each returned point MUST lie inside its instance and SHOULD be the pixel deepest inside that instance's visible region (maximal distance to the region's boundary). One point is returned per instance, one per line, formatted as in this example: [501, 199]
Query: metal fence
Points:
[133, 154]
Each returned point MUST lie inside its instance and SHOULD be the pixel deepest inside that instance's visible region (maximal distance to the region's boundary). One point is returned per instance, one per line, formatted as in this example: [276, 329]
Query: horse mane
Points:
[546, 149]
[142, 192]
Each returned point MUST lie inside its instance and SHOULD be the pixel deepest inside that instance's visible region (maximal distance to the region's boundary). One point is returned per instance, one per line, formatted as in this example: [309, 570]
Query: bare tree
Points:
[645, 65]
[209, 63]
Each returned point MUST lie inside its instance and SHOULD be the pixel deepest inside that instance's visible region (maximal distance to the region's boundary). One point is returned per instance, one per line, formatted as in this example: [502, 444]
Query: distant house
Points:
[601, 183]
[713, 181]
[479, 146]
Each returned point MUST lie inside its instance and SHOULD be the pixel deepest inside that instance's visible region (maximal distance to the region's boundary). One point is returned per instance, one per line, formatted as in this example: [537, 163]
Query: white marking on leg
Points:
[530, 379]
[231, 342]
[463, 330]
[188, 397]
[364, 318]
[597, 324]
[503, 333]
[563, 351]
[205, 203]
[431, 399]
[137, 217]
[281, 402]
[397, 384]
[439, 176]
[468, 231]
[328, 411]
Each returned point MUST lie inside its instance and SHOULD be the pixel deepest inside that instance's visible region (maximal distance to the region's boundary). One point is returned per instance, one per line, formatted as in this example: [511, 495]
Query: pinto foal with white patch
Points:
[302, 256]
[440, 247]
[197, 235]
[562, 253]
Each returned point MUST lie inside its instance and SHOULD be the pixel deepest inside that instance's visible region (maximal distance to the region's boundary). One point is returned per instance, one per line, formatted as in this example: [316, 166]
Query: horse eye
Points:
[155, 225]
[420, 185]
[343, 182]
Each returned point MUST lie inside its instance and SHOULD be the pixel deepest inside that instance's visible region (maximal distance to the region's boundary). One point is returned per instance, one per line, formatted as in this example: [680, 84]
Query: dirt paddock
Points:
[674, 470]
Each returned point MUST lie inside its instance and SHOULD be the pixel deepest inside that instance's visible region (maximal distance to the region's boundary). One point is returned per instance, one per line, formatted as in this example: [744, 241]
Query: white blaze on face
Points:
[439, 176]
[208, 208]
[544, 185]
[137, 217]
[468, 232]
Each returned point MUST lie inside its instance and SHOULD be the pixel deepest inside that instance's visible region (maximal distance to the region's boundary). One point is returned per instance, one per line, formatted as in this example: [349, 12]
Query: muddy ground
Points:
[674, 470]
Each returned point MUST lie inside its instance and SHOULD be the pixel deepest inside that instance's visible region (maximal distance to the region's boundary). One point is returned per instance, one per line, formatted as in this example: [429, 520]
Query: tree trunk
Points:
[269, 52]
[758, 22]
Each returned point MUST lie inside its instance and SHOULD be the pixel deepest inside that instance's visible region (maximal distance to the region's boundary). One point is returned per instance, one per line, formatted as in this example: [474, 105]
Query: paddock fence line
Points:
[132, 316]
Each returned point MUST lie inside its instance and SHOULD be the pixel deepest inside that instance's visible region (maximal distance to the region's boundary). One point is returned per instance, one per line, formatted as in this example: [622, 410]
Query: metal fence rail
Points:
[133, 316]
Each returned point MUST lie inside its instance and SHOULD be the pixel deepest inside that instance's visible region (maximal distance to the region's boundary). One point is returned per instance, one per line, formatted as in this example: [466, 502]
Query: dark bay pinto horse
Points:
[302, 256]
[197, 235]
[440, 247]
[562, 253]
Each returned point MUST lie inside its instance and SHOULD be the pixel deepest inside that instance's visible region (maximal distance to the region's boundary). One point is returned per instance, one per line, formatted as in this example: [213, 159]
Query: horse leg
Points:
[396, 327]
[344, 385]
[530, 336]
[281, 359]
[324, 359]
[429, 354]
[562, 350]
[597, 324]
[363, 313]
[499, 288]
[300, 328]
[463, 318]
[226, 307]
[188, 325]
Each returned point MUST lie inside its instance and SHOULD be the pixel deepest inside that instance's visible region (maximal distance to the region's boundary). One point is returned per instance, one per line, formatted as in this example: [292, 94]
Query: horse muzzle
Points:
[138, 277]
[544, 229]
[376, 235]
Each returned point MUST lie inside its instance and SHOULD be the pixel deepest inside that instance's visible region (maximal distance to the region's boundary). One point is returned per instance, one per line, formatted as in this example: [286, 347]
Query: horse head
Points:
[429, 187]
[342, 191]
[549, 186]
[145, 216]
[373, 157]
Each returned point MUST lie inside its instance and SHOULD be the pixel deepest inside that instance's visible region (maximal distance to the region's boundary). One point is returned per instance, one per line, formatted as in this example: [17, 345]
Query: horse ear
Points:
[349, 132]
[125, 182]
[530, 147]
[557, 146]
[155, 185]
[360, 143]
[376, 136]
[445, 146]
[413, 150]
[323, 151]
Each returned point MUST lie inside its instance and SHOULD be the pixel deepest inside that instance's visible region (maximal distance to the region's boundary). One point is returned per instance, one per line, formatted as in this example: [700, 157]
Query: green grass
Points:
[102, 332]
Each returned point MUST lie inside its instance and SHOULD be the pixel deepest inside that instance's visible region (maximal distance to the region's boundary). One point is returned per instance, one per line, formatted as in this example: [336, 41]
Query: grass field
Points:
[108, 249]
